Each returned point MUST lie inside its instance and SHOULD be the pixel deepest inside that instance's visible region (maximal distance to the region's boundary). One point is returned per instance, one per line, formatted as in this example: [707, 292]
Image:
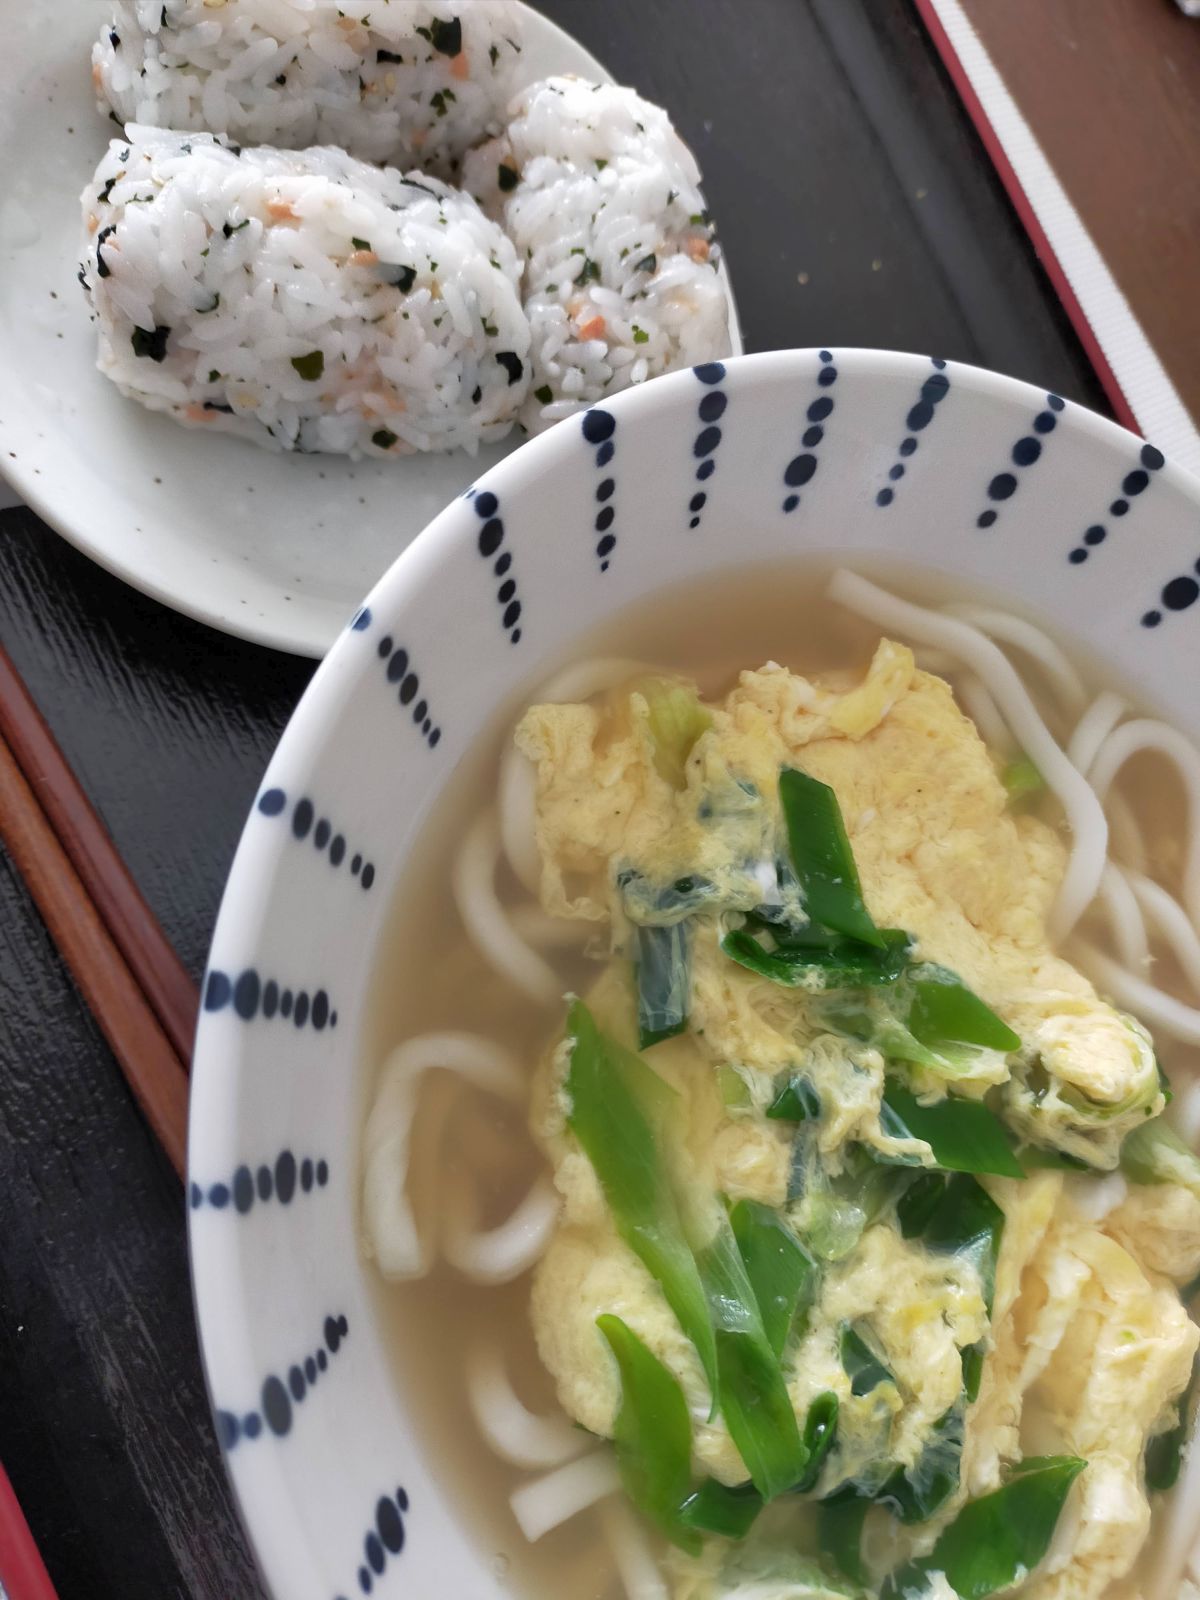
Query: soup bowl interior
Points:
[785, 465]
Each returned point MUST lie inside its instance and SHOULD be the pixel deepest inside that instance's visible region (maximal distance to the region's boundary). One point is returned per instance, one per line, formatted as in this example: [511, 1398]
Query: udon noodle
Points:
[1127, 914]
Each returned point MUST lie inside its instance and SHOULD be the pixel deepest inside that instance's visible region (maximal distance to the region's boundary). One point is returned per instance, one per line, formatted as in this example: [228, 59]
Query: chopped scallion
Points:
[963, 1134]
[311, 367]
[821, 855]
[782, 1273]
[653, 1434]
[618, 1109]
[663, 982]
[945, 1013]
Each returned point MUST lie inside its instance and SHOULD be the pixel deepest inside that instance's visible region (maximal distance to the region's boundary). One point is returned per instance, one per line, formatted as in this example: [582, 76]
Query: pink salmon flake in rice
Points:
[410, 84]
[602, 199]
[301, 299]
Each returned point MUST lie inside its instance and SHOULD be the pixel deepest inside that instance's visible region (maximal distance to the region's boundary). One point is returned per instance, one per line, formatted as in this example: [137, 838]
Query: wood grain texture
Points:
[831, 140]
[1112, 92]
[152, 1069]
[104, 1424]
[151, 958]
[167, 724]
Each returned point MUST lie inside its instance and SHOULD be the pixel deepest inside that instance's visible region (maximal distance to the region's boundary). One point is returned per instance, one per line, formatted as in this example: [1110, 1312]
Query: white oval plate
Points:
[278, 549]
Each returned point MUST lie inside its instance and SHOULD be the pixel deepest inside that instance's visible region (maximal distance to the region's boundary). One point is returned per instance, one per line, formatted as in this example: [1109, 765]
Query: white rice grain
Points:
[302, 300]
[406, 82]
[602, 199]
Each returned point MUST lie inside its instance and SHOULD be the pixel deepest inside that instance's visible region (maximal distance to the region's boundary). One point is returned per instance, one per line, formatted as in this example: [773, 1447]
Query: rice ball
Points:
[409, 82]
[302, 300]
[602, 199]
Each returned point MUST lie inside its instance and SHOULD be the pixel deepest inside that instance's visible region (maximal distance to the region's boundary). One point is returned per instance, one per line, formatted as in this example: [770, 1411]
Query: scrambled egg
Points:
[938, 850]
[1110, 1349]
[588, 1269]
[1087, 1347]
[1160, 1225]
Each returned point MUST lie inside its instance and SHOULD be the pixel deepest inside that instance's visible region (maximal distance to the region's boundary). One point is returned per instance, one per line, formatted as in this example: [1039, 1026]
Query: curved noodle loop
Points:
[515, 1433]
[1125, 920]
[517, 798]
[1056, 665]
[554, 933]
[1093, 727]
[1145, 734]
[392, 1236]
[1106, 878]
[1187, 1112]
[1083, 810]
[632, 1552]
[976, 700]
[490, 929]
[1155, 1007]
[503, 1253]
[1169, 918]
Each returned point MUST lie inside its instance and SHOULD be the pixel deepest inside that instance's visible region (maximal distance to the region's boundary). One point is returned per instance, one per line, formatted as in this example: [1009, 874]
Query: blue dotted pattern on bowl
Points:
[308, 826]
[599, 429]
[307, 820]
[489, 540]
[383, 1539]
[709, 412]
[1134, 483]
[401, 674]
[277, 1181]
[1025, 452]
[802, 468]
[250, 997]
[920, 414]
[280, 1396]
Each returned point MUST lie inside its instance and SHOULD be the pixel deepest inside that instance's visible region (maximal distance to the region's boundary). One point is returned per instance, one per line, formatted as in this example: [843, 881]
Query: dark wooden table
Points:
[857, 208]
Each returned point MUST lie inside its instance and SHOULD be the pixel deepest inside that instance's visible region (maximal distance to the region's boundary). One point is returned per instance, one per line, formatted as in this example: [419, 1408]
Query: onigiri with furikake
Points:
[253, 269]
[602, 199]
[412, 84]
[303, 300]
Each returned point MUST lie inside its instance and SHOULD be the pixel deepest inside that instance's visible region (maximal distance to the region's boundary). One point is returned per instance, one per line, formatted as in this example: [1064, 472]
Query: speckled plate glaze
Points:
[855, 455]
[273, 548]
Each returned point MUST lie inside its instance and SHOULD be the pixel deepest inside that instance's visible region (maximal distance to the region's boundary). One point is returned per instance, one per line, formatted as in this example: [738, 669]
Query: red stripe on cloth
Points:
[23, 1574]
[1029, 218]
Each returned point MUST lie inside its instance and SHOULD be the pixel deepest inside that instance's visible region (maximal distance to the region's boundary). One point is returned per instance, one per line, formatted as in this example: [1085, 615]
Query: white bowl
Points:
[850, 456]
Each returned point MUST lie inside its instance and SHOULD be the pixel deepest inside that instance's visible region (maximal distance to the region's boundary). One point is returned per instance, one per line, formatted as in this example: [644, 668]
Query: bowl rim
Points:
[213, 1097]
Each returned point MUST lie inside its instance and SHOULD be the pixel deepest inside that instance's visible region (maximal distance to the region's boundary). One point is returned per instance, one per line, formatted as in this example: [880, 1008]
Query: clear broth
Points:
[710, 631]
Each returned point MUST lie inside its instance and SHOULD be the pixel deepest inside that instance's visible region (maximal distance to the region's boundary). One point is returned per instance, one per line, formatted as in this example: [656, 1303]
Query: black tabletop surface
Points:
[857, 208]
